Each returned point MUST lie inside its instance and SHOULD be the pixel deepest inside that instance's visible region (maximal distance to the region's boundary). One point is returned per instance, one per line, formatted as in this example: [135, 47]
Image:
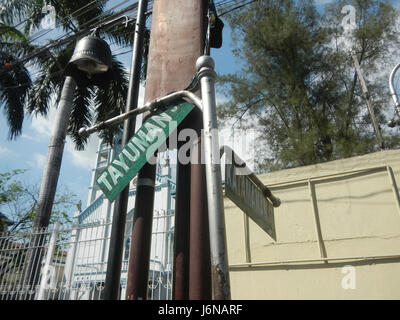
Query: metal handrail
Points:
[148, 107]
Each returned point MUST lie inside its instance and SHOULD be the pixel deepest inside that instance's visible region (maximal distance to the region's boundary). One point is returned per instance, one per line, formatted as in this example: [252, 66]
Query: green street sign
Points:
[140, 148]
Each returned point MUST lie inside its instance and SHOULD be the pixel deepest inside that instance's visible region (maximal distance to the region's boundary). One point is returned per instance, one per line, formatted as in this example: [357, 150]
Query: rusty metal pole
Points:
[139, 258]
[189, 279]
[180, 280]
[175, 44]
[199, 256]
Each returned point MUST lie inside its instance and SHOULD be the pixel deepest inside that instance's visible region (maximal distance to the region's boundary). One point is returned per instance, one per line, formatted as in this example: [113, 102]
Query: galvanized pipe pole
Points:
[219, 259]
[113, 275]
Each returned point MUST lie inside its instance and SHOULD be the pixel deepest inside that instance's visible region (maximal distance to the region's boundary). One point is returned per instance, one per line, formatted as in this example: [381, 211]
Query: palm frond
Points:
[14, 86]
[39, 95]
[111, 100]
[7, 32]
[14, 11]
[81, 115]
[48, 83]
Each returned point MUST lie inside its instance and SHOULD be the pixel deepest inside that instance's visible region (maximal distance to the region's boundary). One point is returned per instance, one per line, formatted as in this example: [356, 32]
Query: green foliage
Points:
[18, 201]
[299, 85]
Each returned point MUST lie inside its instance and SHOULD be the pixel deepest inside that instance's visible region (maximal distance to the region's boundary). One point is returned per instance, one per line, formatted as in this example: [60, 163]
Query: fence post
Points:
[46, 268]
[70, 263]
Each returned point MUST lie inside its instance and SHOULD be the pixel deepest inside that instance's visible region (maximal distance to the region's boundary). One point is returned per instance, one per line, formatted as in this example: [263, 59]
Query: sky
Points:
[30, 149]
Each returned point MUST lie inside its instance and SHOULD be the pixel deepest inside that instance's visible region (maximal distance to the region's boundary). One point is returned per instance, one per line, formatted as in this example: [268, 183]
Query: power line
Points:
[52, 74]
[72, 15]
[91, 20]
[60, 42]
[239, 5]
[63, 18]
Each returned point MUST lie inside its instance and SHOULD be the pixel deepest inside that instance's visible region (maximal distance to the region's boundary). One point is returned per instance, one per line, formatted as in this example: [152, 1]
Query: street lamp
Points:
[90, 64]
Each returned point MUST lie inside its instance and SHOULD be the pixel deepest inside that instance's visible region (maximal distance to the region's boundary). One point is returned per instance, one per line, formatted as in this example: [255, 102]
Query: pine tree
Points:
[299, 85]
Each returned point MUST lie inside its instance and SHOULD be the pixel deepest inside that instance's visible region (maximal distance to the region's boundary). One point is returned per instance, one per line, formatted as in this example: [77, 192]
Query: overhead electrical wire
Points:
[101, 23]
[60, 41]
[219, 4]
[72, 37]
[63, 18]
[33, 74]
[74, 15]
[234, 5]
[237, 7]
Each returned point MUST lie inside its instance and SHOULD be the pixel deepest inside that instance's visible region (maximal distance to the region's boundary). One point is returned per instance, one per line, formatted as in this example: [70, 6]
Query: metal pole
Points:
[148, 107]
[219, 259]
[180, 285]
[50, 178]
[113, 275]
[199, 260]
[139, 257]
[175, 44]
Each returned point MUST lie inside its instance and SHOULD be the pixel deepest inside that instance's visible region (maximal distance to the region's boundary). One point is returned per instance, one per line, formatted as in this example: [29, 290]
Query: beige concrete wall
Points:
[335, 214]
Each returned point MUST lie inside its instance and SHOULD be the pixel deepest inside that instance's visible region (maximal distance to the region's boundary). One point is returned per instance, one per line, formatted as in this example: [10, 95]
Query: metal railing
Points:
[74, 261]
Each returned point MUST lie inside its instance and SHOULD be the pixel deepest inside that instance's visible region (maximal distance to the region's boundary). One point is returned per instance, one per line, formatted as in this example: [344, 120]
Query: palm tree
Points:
[89, 103]
[19, 93]
[15, 78]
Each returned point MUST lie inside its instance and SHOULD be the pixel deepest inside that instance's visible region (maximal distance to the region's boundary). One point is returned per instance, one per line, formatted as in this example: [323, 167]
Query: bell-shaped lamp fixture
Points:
[91, 62]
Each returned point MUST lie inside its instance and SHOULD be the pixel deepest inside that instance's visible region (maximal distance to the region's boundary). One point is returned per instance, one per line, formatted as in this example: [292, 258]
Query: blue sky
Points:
[29, 150]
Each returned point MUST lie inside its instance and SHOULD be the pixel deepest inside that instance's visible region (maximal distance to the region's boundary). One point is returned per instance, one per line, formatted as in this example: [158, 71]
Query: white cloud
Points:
[84, 159]
[38, 161]
[34, 138]
[44, 125]
[5, 151]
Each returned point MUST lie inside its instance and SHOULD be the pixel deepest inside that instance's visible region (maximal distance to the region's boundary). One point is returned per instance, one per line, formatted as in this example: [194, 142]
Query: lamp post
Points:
[89, 64]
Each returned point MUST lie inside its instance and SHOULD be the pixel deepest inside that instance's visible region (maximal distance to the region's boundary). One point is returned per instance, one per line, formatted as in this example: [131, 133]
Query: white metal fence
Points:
[74, 261]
